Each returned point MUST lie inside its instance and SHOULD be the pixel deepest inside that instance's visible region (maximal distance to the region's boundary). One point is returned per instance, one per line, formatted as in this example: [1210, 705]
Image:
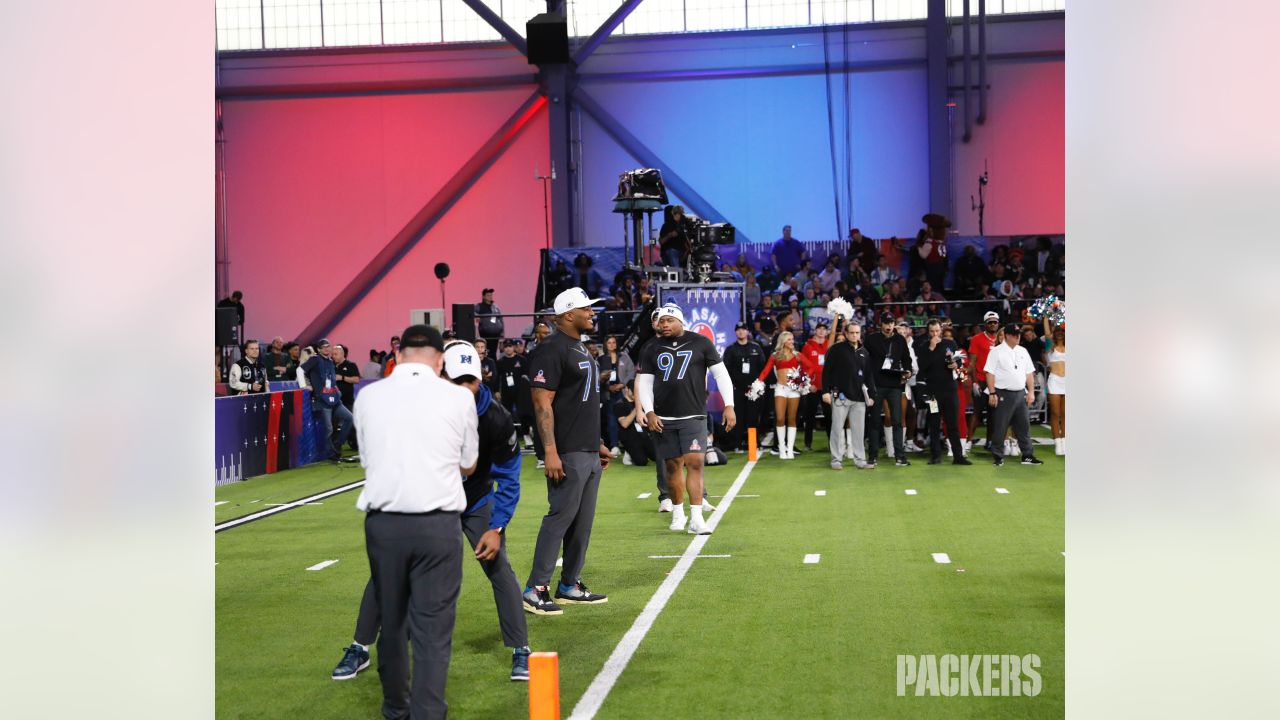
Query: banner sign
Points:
[711, 310]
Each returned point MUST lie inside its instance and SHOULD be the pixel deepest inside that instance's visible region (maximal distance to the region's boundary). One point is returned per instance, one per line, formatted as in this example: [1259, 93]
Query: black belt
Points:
[409, 514]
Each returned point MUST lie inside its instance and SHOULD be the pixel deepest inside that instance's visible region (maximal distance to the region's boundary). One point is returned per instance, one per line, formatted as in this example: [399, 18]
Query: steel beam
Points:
[603, 32]
[939, 132]
[355, 88]
[422, 222]
[497, 23]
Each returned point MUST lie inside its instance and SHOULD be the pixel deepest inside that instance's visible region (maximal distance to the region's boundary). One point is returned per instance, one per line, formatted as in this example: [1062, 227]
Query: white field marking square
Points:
[1002, 491]
[560, 562]
[819, 493]
[643, 496]
[322, 565]
[941, 558]
[221, 502]
[812, 559]
[909, 491]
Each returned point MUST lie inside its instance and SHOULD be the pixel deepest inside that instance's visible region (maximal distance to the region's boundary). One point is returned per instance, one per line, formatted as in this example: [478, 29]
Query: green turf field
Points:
[757, 635]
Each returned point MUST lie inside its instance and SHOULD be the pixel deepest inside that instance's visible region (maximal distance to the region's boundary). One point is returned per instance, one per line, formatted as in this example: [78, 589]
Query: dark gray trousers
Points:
[1011, 409]
[416, 564]
[506, 589]
[568, 520]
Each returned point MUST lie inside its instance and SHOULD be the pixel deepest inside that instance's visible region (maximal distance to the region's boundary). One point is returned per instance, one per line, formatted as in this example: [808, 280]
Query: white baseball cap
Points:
[572, 299]
[460, 360]
[991, 315]
[671, 310]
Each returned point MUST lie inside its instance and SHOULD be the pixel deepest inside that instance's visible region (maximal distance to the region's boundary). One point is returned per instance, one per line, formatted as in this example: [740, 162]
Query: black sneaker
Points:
[353, 661]
[935, 461]
[961, 461]
[538, 601]
[902, 462]
[1032, 460]
[999, 462]
[520, 664]
[578, 593]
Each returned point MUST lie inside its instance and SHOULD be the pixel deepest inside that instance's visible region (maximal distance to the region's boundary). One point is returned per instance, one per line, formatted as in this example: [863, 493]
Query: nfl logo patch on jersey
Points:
[540, 377]
[693, 446]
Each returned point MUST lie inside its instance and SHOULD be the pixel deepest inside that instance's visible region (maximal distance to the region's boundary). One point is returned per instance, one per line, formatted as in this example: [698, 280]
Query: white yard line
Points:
[909, 491]
[1002, 491]
[812, 559]
[596, 693]
[322, 565]
[643, 496]
[673, 557]
[819, 493]
[941, 558]
[286, 506]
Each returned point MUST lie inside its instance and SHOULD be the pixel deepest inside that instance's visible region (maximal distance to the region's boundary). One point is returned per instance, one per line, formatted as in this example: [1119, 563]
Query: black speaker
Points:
[547, 37]
[226, 326]
[464, 322]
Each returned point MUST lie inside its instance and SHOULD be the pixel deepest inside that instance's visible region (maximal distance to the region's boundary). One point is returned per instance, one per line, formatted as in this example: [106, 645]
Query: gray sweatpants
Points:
[506, 590]
[572, 509]
[854, 414]
[1012, 409]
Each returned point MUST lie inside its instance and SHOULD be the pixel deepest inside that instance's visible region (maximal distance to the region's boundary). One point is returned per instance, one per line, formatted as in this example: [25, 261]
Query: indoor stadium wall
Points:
[329, 154]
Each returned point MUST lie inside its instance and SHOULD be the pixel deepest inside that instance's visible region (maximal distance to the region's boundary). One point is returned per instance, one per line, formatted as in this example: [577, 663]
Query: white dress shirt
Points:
[416, 432]
[1010, 365]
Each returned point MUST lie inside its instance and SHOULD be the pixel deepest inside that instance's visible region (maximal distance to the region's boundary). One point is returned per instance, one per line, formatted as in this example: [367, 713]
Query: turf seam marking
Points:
[604, 681]
[287, 506]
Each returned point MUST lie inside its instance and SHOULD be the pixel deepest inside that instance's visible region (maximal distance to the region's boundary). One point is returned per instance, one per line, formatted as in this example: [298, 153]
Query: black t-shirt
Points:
[348, 390]
[750, 355]
[933, 365]
[895, 349]
[562, 364]
[679, 369]
[509, 371]
[764, 317]
[498, 444]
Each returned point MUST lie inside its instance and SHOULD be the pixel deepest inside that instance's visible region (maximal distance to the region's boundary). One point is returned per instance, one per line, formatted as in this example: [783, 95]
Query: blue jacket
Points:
[499, 460]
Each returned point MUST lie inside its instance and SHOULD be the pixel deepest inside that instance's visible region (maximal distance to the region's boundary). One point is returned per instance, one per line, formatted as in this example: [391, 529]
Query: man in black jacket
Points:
[937, 357]
[744, 359]
[848, 386]
[489, 320]
[891, 364]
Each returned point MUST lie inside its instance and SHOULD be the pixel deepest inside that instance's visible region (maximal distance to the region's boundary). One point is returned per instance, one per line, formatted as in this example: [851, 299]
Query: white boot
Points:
[781, 442]
[791, 443]
[1059, 446]
[888, 442]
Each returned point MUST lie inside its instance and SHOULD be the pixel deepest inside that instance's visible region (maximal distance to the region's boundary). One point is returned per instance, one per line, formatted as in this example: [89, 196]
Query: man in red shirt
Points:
[979, 347]
[816, 351]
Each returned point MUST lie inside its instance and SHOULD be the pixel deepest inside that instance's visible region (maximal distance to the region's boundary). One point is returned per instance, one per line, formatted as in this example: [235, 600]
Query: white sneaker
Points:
[965, 447]
[707, 507]
[912, 447]
[664, 506]
[835, 465]
[698, 527]
[768, 439]
[626, 458]
[541, 464]
[614, 451]
[678, 522]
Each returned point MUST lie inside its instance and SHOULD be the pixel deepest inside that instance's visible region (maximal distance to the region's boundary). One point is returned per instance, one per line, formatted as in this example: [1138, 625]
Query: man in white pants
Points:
[671, 382]
[845, 386]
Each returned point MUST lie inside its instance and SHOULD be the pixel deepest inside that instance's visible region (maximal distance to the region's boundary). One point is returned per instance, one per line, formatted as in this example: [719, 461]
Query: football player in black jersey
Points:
[671, 379]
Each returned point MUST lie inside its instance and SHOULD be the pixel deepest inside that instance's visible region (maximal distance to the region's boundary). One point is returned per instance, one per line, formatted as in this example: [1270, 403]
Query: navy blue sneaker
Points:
[354, 659]
[520, 664]
[578, 593]
[537, 600]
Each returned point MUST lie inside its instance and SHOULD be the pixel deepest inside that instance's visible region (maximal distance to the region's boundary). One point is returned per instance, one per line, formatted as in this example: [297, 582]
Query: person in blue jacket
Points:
[484, 522]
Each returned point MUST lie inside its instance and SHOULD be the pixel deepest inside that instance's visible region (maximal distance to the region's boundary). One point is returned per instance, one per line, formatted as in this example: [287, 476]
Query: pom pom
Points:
[800, 382]
[1050, 307]
[839, 307]
[756, 390]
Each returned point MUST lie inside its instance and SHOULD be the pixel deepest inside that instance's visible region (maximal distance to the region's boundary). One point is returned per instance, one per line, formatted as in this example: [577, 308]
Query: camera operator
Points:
[939, 372]
[673, 237]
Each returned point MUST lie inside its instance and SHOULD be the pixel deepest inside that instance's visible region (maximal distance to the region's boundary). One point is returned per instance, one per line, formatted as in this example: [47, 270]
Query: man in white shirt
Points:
[417, 435]
[1011, 382]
